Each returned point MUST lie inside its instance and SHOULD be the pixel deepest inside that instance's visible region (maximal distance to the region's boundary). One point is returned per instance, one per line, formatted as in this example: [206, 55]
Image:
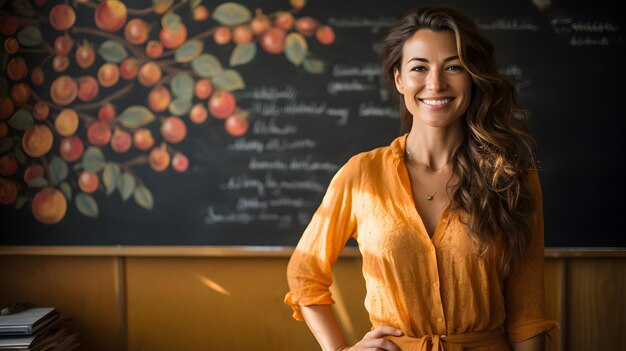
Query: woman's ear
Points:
[397, 78]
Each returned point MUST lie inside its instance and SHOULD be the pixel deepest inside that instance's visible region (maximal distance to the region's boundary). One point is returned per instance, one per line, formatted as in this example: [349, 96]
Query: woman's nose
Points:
[435, 81]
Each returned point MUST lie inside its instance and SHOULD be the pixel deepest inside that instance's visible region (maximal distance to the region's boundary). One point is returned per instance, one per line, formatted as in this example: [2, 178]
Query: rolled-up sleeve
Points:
[309, 273]
[524, 287]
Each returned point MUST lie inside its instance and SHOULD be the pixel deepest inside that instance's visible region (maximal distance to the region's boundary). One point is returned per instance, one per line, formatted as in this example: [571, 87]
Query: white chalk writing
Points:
[245, 203]
[370, 109]
[312, 166]
[290, 202]
[274, 165]
[243, 144]
[370, 71]
[342, 113]
[284, 221]
[245, 218]
[293, 165]
[588, 41]
[261, 127]
[567, 25]
[361, 22]
[244, 182]
[254, 203]
[335, 87]
[509, 25]
[511, 70]
[271, 93]
[214, 218]
[310, 185]
[292, 108]
[261, 186]
[274, 144]
[300, 108]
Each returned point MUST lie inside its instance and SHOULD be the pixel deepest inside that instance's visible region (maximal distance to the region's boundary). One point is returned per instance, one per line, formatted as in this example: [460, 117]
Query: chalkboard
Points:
[566, 60]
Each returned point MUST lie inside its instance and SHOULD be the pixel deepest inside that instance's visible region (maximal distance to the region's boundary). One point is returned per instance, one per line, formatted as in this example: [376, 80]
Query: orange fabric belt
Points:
[450, 342]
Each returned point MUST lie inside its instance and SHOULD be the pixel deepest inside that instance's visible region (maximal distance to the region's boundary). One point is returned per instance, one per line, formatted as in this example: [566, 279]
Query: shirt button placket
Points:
[436, 294]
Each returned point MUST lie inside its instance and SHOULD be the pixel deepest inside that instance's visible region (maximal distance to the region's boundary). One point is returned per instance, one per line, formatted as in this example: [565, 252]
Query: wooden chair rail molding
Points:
[112, 291]
[249, 251]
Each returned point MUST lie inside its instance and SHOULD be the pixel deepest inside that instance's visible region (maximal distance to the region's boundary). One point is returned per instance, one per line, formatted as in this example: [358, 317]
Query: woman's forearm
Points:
[323, 325]
[536, 343]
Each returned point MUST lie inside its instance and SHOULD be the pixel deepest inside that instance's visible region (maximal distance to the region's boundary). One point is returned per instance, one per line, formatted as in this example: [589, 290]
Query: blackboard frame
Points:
[563, 60]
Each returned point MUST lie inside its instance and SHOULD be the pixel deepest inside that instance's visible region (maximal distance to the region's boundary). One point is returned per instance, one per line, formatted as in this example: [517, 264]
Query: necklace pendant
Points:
[430, 197]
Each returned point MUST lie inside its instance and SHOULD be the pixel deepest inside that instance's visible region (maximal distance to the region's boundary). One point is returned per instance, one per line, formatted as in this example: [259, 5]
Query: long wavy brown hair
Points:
[496, 154]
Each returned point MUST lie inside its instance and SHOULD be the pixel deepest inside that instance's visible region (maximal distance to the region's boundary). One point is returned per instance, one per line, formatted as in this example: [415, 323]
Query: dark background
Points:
[573, 93]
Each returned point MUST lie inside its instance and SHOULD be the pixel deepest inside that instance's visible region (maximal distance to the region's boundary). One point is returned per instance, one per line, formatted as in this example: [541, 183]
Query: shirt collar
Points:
[398, 146]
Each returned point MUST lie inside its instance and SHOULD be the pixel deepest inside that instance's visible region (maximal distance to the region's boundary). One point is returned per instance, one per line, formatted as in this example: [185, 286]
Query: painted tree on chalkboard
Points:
[63, 125]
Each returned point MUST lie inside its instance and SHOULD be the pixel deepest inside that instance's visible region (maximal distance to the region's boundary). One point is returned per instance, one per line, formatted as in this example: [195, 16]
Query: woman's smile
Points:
[436, 103]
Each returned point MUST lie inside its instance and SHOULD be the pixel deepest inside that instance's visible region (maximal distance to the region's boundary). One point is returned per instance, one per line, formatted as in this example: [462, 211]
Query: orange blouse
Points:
[434, 290]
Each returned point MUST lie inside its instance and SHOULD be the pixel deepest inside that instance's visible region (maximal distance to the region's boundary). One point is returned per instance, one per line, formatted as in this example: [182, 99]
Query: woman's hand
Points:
[375, 340]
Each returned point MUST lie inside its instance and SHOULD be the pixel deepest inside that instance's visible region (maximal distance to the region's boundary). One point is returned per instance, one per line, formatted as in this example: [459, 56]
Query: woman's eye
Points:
[418, 68]
[455, 68]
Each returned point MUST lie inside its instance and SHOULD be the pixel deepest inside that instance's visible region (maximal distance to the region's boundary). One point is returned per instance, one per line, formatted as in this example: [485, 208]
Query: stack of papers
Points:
[35, 329]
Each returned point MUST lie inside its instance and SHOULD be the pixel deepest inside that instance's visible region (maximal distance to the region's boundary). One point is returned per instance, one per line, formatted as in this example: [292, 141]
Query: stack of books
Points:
[35, 329]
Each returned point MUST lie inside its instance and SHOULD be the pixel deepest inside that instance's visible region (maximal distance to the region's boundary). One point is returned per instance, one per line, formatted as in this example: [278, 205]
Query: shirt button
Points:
[439, 319]
[435, 285]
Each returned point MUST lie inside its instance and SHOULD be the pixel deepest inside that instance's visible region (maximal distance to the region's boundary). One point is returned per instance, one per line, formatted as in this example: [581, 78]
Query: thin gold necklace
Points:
[428, 197]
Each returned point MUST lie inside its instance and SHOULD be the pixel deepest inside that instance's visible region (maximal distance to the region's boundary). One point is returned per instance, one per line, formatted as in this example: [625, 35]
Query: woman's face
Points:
[435, 85]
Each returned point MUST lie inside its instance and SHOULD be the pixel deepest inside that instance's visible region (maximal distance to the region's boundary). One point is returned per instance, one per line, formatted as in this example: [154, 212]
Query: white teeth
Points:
[437, 102]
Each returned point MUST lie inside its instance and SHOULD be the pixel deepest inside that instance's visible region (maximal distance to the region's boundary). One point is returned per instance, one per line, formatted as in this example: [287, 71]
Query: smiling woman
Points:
[435, 86]
[448, 217]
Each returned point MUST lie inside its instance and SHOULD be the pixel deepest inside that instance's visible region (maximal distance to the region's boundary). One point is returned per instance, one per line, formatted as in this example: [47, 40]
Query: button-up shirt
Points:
[427, 287]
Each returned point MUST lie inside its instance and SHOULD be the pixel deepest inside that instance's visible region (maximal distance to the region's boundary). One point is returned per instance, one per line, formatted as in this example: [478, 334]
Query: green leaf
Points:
[231, 14]
[189, 51]
[136, 116]
[39, 182]
[22, 120]
[194, 3]
[30, 36]
[229, 80]
[93, 159]
[143, 197]
[21, 201]
[19, 155]
[296, 48]
[242, 54]
[171, 22]
[58, 170]
[87, 205]
[5, 144]
[314, 66]
[182, 85]
[109, 176]
[66, 189]
[126, 185]
[206, 66]
[180, 106]
[112, 51]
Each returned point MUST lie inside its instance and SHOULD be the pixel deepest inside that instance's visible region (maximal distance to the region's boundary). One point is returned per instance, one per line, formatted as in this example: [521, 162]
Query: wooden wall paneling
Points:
[85, 290]
[235, 302]
[348, 291]
[595, 304]
[554, 277]
[211, 304]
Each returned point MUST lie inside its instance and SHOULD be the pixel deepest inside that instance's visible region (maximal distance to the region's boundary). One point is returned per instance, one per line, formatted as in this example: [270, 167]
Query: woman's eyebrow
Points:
[451, 58]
